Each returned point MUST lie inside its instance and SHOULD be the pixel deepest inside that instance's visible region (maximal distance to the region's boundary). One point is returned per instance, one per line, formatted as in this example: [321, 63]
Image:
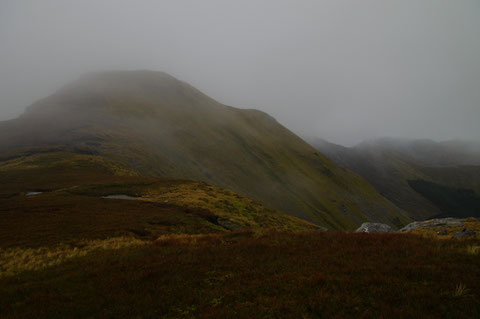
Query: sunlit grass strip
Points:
[19, 259]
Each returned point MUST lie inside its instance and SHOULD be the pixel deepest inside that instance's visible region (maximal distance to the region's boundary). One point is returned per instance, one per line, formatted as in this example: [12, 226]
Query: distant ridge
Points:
[428, 178]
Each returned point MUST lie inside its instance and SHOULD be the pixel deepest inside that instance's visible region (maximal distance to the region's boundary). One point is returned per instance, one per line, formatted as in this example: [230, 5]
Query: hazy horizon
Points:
[344, 71]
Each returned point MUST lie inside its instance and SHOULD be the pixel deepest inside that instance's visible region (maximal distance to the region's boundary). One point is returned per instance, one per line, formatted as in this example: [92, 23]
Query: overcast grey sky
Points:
[341, 70]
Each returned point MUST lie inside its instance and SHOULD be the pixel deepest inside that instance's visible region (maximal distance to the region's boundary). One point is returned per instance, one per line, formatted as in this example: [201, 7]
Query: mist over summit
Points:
[344, 71]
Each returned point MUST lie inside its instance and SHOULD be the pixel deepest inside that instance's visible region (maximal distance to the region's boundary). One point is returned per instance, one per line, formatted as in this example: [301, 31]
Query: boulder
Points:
[374, 228]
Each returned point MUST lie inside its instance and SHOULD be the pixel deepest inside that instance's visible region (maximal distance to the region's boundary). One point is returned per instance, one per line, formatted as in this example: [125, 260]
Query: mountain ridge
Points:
[164, 127]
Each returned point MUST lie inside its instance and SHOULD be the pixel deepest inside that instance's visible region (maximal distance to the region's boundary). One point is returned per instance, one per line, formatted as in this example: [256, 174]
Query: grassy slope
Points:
[294, 179]
[464, 176]
[306, 275]
[159, 126]
[390, 175]
[72, 208]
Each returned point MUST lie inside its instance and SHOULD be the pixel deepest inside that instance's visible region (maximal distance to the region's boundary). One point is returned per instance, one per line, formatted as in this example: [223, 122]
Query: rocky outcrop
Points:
[445, 228]
[374, 228]
[433, 223]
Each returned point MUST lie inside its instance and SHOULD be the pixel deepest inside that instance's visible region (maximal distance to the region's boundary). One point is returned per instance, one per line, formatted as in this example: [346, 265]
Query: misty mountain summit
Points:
[112, 90]
[160, 126]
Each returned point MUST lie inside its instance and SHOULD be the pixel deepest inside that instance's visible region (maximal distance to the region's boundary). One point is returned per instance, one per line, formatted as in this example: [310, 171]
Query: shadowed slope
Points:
[395, 166]
[278, 275]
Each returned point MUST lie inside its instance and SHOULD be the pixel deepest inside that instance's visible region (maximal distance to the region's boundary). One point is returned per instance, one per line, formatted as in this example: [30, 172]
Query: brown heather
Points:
[247, 275]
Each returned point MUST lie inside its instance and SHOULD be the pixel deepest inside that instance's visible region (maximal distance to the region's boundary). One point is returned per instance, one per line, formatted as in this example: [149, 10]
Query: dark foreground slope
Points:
[424, 177]
[156, 125]
[276, 275]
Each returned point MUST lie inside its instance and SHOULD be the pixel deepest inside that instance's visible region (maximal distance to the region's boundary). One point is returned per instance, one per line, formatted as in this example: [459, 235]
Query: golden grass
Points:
[473, 249]
[185, 239]
[18, 259]
[472, 223]
[225, 204]
[460, 290]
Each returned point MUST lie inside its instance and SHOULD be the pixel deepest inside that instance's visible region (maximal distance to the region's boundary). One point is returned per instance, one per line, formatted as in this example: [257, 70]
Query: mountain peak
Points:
[136, 81]
[122, 77]
[139, 89]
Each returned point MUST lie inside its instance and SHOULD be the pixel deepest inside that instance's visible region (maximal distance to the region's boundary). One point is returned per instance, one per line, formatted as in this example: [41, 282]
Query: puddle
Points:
[120, 196]
[33, 193]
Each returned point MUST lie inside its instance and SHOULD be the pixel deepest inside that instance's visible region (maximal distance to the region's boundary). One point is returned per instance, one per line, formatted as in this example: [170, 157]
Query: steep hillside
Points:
[424, 177]
[155, 125]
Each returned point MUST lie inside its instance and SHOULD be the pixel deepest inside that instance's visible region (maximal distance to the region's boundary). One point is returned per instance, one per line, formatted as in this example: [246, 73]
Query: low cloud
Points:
[341, 70]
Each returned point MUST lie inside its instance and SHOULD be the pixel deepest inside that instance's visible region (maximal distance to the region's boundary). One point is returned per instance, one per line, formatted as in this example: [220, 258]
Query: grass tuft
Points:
[460, 290]
[473, 249]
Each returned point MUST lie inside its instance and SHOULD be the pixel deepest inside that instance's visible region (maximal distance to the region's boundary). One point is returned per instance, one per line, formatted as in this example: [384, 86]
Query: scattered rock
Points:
[433, 223]
[442, 232]
[374, 228]
[320, 228]
[465, 233]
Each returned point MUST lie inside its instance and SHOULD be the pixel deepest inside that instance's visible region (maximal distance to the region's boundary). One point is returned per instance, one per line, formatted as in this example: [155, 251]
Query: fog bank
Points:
[341, 70]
